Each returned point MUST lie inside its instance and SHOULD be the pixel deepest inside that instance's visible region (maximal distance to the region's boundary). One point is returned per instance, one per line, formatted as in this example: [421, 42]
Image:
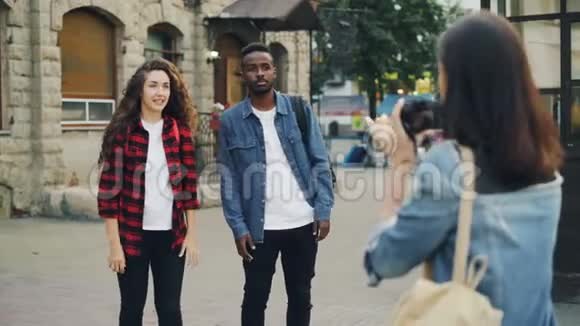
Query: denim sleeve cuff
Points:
[322, 212]
[239, 229]
[373, 278]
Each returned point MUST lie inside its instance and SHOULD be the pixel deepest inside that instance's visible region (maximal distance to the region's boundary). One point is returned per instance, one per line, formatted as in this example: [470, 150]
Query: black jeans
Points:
[298, 249]
[167, 268]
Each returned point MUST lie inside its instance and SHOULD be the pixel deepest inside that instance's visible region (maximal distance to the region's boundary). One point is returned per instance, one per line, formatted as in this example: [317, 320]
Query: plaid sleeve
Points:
[110, 184]
[190, 200]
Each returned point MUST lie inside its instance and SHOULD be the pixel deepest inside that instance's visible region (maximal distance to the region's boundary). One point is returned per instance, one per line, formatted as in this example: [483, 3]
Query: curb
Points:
[80, 203]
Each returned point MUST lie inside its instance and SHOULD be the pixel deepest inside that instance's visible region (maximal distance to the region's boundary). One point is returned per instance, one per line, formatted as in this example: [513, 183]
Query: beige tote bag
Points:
[455, 303]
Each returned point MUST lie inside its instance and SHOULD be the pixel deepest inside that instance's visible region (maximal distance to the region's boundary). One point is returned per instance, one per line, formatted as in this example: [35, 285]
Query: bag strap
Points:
[299, 111]
[297, 103]
[465, 216]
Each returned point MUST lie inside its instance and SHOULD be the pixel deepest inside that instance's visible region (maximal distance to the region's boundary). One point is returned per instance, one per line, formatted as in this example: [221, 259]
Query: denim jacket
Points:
[515, 230]
[242, 165]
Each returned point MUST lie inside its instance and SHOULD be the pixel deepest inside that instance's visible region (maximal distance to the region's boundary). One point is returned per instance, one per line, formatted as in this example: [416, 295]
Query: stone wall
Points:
[80, 153]
[298, 47]
[31, 155]
[17, 165]
[211, 8]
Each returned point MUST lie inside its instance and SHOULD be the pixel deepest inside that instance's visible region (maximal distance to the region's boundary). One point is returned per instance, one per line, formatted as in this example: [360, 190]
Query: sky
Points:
[472, 4]
[467, 4]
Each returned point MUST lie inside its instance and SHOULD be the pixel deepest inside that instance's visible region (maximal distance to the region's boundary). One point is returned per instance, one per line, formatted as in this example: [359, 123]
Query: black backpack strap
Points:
[300, 112]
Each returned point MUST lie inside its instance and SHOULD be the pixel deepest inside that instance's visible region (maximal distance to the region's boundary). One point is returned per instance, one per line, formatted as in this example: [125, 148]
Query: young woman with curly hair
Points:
[147, 191]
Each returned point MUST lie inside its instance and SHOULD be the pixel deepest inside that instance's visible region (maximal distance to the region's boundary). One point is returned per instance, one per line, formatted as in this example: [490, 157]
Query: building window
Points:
[573, 5]
[575, 114]
[532, 7]
[85, 110]
[280, 55]
[542, 42]
[162, 42]
[87, 42]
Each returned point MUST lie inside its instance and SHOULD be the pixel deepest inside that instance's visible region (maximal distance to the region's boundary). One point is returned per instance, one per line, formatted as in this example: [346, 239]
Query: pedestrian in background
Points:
[491, 105]
[147, 191]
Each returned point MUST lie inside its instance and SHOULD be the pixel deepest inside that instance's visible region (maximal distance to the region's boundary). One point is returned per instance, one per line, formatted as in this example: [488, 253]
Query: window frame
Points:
[566, 20]
[117, 59]
[70, 123]
[170, 32]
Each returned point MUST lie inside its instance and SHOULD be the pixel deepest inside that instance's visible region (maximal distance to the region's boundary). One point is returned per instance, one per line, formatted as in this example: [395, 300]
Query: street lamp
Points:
[212, 56]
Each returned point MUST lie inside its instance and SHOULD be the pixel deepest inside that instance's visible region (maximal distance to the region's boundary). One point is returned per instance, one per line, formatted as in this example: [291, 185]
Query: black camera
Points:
[418, 116]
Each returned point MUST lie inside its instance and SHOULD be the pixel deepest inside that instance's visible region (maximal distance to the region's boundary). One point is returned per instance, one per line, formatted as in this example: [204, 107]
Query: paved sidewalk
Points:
[53, 273]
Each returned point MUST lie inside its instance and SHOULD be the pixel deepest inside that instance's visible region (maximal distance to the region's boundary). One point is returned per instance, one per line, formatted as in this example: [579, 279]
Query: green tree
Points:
[333, 47]
[372, 40]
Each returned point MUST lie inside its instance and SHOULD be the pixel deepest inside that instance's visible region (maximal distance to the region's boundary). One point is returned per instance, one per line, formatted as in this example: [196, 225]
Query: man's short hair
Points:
[255, 47]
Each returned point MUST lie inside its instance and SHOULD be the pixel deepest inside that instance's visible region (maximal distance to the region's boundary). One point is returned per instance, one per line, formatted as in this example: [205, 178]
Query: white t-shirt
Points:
[285, 206]
[158, 208]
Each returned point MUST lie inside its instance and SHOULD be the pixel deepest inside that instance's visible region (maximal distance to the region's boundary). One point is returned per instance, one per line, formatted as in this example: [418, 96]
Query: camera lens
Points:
[417, 116]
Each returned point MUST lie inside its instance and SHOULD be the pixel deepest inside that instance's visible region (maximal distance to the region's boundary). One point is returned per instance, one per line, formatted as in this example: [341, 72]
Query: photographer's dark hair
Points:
[255, 47]
[492, 104]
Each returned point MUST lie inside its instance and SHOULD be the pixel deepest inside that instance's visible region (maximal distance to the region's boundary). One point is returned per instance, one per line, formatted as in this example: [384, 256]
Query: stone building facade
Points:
[64, 64]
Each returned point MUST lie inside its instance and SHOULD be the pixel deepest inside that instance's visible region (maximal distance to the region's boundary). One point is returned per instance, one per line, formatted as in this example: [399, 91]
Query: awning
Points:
[273, 15]
[9, 3]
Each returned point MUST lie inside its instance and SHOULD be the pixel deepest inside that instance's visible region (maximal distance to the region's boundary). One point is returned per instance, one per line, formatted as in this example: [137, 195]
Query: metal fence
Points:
[206, 150]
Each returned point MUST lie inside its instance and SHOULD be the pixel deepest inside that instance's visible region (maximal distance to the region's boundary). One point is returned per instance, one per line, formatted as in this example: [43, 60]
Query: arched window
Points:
[228, 89]
[280, 55]
[162, 42]
[87, 43]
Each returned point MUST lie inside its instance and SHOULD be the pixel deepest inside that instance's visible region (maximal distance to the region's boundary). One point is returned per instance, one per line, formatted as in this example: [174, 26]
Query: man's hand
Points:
[321, 229]
[242, 244]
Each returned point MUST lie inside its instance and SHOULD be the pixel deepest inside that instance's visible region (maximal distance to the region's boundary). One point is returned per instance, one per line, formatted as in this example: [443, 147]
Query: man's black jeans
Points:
[298, 249]
[167, 268]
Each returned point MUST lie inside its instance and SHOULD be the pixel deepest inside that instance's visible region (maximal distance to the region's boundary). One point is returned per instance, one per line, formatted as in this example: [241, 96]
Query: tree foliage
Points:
[384, 44]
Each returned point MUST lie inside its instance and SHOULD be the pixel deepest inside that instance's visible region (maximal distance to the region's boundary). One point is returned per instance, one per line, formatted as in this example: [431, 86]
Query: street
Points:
[54, 273]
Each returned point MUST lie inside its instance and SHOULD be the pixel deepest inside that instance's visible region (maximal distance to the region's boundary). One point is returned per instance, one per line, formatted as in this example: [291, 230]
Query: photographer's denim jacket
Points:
[242, 165]
[515, 230]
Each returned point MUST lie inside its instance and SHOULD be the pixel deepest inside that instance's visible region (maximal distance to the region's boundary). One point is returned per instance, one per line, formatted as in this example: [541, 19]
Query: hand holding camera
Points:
[389, 136]
[408, 128]
[383, 135]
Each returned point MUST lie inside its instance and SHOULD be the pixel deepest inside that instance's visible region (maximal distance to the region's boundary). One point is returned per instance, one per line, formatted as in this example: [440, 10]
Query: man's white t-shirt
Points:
[158, 209]
[285, 206]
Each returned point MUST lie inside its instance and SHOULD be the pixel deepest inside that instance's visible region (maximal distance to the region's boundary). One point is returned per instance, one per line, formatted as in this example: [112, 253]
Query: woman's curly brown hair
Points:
[179, 106]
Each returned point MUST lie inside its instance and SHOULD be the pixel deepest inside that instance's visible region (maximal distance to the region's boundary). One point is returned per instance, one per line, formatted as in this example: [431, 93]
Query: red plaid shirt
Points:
[121, 185]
